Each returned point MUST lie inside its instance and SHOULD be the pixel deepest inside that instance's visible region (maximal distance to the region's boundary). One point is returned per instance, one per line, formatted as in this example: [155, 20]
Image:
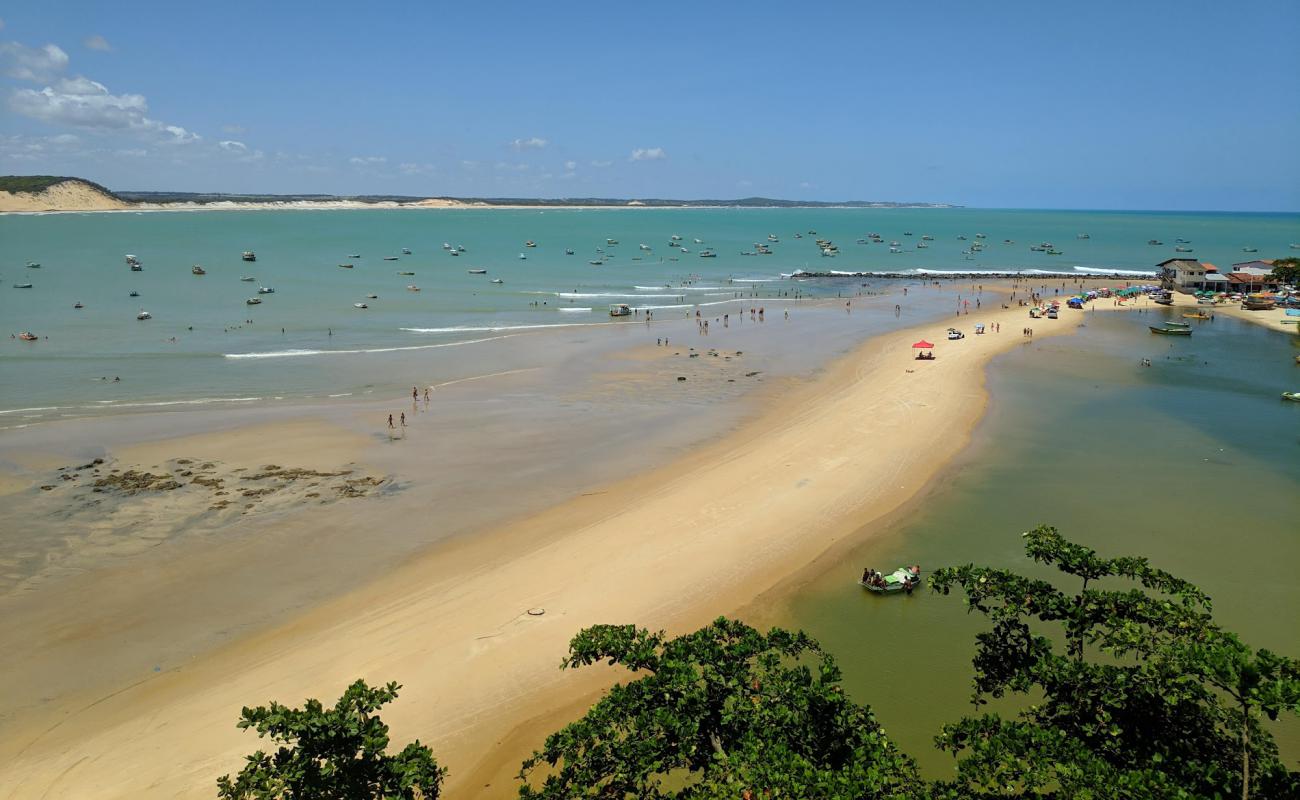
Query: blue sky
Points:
[1155, 105]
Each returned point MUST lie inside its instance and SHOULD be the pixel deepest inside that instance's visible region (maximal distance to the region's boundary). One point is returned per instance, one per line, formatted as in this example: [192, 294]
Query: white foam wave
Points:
[38, 408]
[571, 310]
[359, 351]
[754, 280]
[495, 328]
[584, 295]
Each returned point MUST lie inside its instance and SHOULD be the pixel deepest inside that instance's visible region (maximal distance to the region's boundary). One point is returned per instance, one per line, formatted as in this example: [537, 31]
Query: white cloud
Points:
[602, 164]
[97, 42]
[34, 64]
[85, 103]
[367, 161]
[413, 168]
[233, 146]
[65, 139]
[534, 143]
[571, 165]
[649, 154]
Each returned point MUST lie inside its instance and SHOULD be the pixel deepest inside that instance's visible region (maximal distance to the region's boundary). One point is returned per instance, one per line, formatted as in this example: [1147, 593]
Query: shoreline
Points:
[439, 204]
[671, 548]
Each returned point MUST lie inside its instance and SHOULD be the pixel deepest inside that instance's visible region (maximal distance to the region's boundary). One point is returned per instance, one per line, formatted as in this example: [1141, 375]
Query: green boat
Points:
[903, 579]
[1171, 330]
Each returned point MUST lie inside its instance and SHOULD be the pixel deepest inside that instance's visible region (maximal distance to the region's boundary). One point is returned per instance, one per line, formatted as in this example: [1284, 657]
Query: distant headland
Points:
[46, 193]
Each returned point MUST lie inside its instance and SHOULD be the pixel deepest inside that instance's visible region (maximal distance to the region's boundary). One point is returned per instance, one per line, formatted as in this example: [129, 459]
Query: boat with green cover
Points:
[903, 579]
[1170, 330]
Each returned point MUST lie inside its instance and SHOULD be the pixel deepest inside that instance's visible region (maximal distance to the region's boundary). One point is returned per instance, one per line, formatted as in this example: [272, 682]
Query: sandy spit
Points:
[670, 548]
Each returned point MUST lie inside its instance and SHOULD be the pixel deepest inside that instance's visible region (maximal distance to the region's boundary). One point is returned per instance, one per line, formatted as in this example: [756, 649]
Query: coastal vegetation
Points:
[31, 184]
[332, 753]
[1125, 688]
[1286, 270]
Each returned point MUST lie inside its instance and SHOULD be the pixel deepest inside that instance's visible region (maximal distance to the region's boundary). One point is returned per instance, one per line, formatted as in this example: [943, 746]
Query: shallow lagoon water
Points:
[1191, 462]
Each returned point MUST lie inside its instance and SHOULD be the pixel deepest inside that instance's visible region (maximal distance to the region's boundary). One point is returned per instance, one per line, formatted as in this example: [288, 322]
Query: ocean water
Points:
[307, 338]
[1190, 462]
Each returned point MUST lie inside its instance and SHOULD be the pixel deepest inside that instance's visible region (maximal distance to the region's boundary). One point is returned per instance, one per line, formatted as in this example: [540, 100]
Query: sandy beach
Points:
[1273, 319]
[671, 547]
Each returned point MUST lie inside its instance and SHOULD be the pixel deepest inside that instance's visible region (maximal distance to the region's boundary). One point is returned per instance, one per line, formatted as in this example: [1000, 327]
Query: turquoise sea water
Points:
[199, 347]
[1191, 462]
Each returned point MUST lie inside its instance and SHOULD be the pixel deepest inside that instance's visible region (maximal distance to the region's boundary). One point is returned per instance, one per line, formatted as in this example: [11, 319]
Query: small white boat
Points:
[406, 251]
[248, 278]
[523, 257]
[33, 265]
[253, 301]
[78, 304]
[477, 271]
[611, 241]
[248, 256]
[446, 246]
[360, 305]
[568, 252]
[530, 243]
[133, 294]
[22, 286]
[144, 315]
[390, 258]
[197, 270]
[265, 290]
[413, 288]
[494, 280]
[372, 297]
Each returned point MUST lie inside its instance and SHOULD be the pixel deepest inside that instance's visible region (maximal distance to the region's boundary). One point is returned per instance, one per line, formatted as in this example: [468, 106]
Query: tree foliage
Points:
[725, 711]
[1287, 270]
[332, 754]
[1132, 686]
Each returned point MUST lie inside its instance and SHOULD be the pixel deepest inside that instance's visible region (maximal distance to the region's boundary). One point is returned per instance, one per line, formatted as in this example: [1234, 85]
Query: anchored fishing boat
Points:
[903, 579]
[1171, 329]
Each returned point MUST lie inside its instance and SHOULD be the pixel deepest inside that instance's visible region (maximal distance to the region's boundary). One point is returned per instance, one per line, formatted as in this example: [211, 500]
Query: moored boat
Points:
[144, 315]
[197, 270]
[1292, 396]
[903, 579]
[254, 301]
[1170, 330]
[249, 255]
[477, 271]
[28, 336]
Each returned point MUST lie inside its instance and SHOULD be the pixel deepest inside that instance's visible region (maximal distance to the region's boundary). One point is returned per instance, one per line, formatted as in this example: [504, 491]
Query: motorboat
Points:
[253, 301]
[248, 278]
[494, 280]
[406, 251]
[413, 288]
[530, 243]
[903, 579]
[595, 262]
[1292, 396]
[1154, 242]
[446, 245]
[1250, 249]
[1171, 329]
[133, 294]
[611, 241]
[390, 258]
[28, 336]
[22, 286]
[144, 315]
[1182, 249]
[406, 273]
[372, 297]
[708, 254]
[568, 252]
[265, 290]
[355, 255]
[477, 271]
[197, 270]
[137, 267]
[33, 265]
[248, 255]
[78, 304]
[360, 305]
[345, 266]
[643, 247]
[523, 257]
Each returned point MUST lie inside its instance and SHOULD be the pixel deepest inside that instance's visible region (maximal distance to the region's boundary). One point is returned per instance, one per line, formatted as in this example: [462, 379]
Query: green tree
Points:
[1287, 270]
[332, 754]
[1138, 703]
[725, 711]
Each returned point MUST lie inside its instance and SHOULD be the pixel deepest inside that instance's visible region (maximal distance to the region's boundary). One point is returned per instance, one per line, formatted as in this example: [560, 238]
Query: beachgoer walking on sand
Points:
[390, 422]
[415, 394]
[403, 419]
[426, 394]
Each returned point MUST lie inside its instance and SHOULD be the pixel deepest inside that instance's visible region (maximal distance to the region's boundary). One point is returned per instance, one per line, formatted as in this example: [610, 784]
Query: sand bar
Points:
[671, 548]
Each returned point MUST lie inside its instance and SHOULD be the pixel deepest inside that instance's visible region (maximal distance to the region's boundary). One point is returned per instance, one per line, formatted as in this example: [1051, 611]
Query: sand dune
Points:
[65, 196]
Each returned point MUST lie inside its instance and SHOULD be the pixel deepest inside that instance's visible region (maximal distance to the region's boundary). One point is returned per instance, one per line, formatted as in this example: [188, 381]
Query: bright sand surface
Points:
[1273, 319]
[669, 548]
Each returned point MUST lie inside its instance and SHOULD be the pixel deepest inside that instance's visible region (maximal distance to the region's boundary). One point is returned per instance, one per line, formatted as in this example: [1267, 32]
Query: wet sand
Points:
[668, 547]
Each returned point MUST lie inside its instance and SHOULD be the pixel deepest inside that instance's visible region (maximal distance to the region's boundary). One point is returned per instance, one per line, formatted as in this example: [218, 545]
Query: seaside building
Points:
[1182, 274]
[1252, 276]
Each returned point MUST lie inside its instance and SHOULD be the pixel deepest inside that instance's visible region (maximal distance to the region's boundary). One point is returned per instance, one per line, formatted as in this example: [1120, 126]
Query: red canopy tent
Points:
[923, 345]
